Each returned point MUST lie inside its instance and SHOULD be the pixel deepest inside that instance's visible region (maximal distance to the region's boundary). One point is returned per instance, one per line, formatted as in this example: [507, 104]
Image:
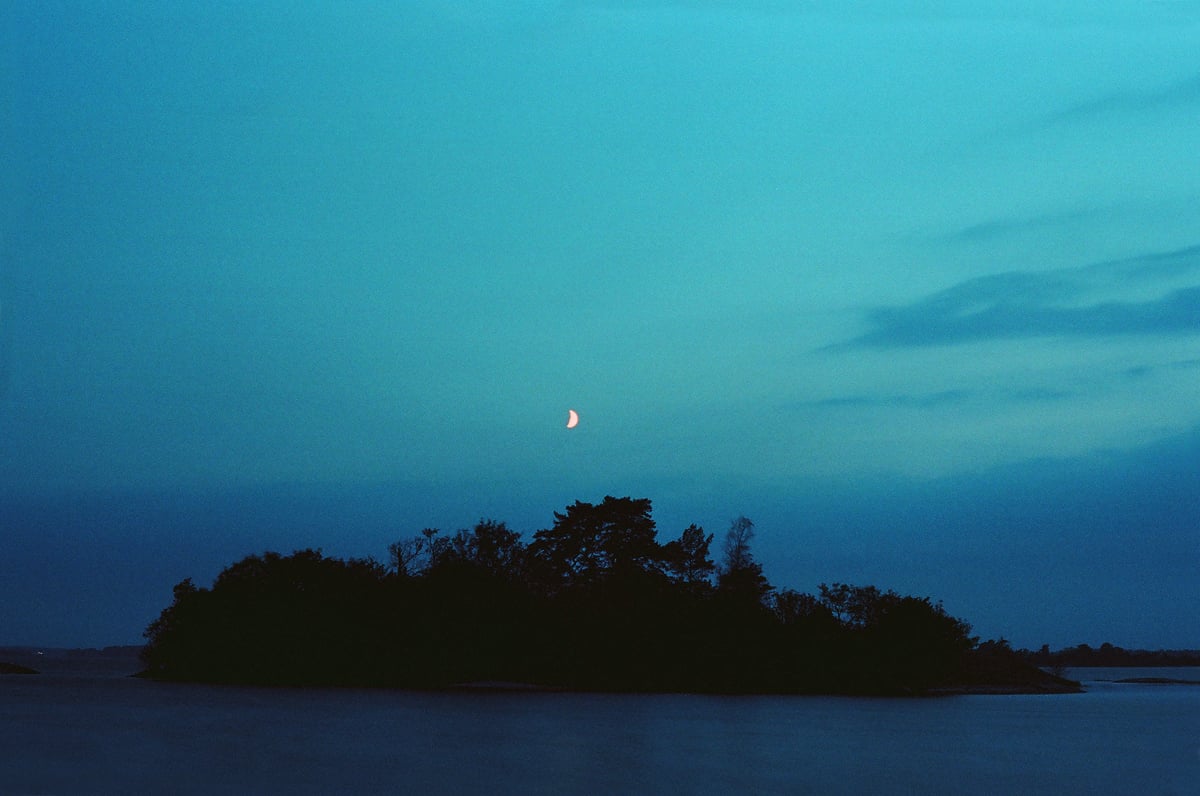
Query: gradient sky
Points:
[916, 287]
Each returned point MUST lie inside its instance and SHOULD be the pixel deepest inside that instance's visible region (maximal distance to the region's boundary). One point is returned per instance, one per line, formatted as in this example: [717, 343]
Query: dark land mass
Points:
[1107, 655]
[14, 668]
[593, 603]
[1157, 681]
[107, 662]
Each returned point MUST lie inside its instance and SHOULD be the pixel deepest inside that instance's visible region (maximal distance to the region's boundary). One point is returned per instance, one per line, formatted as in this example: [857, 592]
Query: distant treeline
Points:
[1108, 655]
[594, 602]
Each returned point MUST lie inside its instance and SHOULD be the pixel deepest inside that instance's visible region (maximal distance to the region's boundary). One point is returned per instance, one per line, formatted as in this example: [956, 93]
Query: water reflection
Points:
[63, 734]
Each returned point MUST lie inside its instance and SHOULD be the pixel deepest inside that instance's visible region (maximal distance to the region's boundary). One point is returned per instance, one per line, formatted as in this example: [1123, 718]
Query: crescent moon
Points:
[572, 418]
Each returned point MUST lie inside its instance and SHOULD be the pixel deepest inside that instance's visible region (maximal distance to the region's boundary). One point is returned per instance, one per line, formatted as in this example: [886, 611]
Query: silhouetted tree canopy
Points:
[593, 602]
[589, 542]
[1109, 655]
[687, 559]
[741, 577]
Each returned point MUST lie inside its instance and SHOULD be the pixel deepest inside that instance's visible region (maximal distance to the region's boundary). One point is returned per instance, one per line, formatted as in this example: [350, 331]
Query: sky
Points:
[914, 286]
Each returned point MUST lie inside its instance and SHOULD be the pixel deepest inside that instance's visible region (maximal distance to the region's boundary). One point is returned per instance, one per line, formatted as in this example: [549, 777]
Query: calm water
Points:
[104, 734]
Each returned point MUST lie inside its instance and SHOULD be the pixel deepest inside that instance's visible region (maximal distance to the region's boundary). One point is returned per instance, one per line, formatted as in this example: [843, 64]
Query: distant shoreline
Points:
[13, 668]
[124, 661]
[118, 661]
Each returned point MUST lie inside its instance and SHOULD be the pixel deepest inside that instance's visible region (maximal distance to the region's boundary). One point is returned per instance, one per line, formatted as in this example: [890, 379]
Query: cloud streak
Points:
[1184, 93]
[926, 401]
[988, 230]
[1140, 371]
[932, 400]
[1058, 303]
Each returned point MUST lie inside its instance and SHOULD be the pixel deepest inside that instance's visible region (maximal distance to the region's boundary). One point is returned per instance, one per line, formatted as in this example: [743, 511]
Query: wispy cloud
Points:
[1141, 371]
[1152, 265]
[1181, 94]
[931, 400]
[995, 228]
[925, 401]
[1059, 303]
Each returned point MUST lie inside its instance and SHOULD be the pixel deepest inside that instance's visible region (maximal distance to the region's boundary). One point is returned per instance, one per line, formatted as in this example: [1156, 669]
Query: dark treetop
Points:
[593, 602]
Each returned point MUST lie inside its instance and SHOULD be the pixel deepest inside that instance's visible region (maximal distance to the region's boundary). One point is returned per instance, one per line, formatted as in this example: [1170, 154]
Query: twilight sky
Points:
[916, 287]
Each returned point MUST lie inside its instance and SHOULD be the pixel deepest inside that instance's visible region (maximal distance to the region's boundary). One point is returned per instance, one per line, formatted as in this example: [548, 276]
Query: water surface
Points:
[94, 734]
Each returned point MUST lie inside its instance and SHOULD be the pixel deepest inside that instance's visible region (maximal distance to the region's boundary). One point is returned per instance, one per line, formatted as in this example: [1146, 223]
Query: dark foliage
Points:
[591, 543]
[1109, 655]
[594, 602]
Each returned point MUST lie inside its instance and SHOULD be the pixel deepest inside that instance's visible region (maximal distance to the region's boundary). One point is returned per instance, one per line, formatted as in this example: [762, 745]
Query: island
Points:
[14, 668]
[595, 602]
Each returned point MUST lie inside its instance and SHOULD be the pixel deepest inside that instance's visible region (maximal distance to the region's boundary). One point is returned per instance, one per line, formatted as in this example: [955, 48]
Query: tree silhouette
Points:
[594, 602]
[740, 576]
[795, 609]
[589, 542]
[855, 606]
[410, 557]
[294, 620]
[687, 559]
[493, 547]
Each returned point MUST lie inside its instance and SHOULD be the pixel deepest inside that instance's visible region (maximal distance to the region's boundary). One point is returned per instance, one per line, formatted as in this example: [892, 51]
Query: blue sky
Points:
[916, 287]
